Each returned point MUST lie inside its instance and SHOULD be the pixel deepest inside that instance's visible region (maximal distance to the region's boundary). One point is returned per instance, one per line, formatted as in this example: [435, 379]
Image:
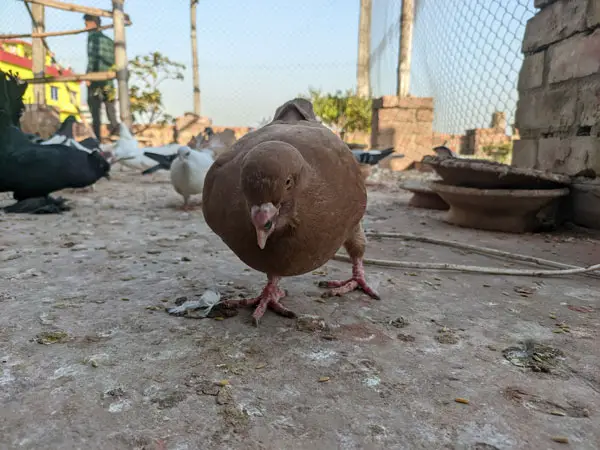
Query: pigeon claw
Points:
[269, 298]
[340, 288]
[358, 281]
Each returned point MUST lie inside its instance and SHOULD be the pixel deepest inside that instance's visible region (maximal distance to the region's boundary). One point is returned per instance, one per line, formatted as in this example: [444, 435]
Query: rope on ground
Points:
[565, 269]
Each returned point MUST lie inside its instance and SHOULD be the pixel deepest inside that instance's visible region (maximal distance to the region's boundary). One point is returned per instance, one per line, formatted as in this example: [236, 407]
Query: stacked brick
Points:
[405, 123]
[558, 114]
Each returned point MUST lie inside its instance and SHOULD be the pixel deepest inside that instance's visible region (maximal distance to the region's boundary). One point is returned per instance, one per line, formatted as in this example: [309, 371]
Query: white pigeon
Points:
[188, 171]
[127, 152]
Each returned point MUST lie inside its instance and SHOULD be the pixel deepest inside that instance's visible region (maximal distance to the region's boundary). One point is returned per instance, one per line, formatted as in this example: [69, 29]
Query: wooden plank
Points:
[38, 53]
[74, 8]
[50, 33]
[121, 62]
[56, 33]
[94, 76]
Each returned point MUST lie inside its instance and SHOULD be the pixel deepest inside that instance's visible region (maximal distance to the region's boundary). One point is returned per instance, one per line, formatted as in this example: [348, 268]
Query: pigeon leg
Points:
[355, 246]
[186, 204]
[268, 298]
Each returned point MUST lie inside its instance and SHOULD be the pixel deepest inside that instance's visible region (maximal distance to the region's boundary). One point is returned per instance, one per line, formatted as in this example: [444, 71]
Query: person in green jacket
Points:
[101, 58]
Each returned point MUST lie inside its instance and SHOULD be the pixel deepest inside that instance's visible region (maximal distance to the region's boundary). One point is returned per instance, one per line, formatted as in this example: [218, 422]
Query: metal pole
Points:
[195, 68]
[363, 81]
[121, 61]
[405, 50]
[38, 53]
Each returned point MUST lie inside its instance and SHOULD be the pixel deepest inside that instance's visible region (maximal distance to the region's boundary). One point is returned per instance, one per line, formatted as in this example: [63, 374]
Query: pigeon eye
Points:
[288, 183]
[268, 225]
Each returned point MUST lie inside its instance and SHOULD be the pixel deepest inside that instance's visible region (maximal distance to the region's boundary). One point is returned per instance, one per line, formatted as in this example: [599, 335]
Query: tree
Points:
[147, 72]
[501, 153]
[344, 112]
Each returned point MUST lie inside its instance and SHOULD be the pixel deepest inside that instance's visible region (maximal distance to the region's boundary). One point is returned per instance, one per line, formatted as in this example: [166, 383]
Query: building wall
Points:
[558, 113]
[15, 56]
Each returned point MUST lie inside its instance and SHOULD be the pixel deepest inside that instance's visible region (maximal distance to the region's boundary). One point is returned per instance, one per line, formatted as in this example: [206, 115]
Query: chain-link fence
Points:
[466, 55]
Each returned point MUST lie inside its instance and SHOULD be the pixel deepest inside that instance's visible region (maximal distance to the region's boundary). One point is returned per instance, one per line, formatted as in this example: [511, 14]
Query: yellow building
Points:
[15, 56]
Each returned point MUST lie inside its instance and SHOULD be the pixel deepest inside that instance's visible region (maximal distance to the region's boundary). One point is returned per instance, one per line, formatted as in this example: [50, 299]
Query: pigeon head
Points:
[99, 165]
[184, 153]
[273, 173]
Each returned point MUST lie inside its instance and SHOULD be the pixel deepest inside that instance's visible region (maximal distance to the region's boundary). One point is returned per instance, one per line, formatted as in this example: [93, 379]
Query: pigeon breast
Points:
[328, 204]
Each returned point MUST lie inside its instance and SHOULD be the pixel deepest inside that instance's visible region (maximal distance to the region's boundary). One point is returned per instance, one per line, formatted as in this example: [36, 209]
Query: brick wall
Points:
[405, 123]
[558, 113]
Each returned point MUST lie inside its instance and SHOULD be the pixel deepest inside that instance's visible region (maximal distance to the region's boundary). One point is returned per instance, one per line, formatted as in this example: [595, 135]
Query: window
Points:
[54, 93]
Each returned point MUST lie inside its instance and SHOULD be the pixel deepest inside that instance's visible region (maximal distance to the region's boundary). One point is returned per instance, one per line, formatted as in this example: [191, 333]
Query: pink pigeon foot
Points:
[268, 298]
[189, 207]
[357, 281]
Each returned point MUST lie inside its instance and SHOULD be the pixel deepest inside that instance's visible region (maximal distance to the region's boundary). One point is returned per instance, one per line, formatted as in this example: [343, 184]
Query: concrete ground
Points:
[90, 359]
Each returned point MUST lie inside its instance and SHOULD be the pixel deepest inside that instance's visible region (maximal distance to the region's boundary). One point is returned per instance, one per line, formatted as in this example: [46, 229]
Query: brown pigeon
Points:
[284, 199]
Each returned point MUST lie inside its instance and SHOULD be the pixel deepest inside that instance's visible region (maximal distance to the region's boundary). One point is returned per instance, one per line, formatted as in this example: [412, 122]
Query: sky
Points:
[255, 55]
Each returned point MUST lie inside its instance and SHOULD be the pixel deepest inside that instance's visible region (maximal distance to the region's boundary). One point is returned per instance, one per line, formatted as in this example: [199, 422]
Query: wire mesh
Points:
[466, 55]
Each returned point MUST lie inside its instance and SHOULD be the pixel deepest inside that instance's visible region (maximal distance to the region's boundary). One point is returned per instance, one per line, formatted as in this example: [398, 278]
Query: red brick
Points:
[392, 101]
[425, 115]
[543, 3]
[576, 57]
[588, 113]
[532, 71]
[547, 110]
[525, 153]
[554, 23]
[396, 115]
[569, 156]
[593, 17]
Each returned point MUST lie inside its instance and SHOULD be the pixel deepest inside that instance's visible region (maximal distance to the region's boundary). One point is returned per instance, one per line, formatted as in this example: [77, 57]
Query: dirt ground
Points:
[91, 360]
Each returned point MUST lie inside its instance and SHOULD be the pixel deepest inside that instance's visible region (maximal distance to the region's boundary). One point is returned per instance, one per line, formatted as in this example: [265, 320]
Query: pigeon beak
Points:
[263, 220]
[261, 238]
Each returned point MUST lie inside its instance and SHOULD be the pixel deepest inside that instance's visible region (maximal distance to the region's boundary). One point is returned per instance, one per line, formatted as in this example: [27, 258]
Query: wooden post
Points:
[38, 53]
[195, 69]
[121, 62]
[363, 78]
[405, 50]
